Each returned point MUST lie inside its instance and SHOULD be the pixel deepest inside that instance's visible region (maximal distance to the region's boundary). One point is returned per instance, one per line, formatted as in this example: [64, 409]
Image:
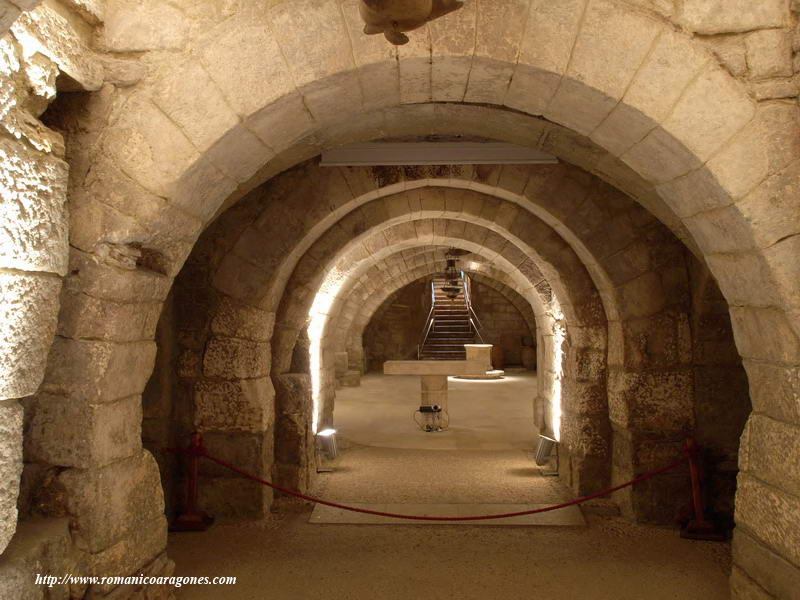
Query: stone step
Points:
[459, 332]
[451, 335]
[444, 347]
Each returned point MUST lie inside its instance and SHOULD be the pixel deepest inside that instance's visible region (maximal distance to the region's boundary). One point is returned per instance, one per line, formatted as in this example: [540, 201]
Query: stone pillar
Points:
[236, 418]
[433, 391]
[33, 252]
[766, 541]
[294, 452]
[585, 463]
[651, 408]
[10, 467]
[233, 405]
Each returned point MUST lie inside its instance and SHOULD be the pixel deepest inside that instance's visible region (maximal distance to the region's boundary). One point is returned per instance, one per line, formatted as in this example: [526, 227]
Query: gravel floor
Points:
[285, 557]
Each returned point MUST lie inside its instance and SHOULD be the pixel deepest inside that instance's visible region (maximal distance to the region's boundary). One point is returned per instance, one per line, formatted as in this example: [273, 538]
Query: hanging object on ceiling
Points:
[393, 17]
[452, 274]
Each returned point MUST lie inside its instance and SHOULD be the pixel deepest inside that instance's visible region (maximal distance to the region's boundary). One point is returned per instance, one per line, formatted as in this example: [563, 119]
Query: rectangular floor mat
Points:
[570, 516]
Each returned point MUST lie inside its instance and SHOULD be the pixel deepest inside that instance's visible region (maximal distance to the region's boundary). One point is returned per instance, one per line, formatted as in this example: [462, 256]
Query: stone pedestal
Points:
[482, 353]
[433, 391]
[433, 377]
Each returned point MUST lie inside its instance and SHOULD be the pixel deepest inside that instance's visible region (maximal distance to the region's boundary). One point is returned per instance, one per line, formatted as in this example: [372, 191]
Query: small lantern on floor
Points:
[325, 450]
[544, 451]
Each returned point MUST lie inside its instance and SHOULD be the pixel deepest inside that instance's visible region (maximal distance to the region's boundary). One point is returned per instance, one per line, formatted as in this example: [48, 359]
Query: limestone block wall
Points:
[394, 331]
[83, 460]
[220, 381]
[33, 224]
[504, 323]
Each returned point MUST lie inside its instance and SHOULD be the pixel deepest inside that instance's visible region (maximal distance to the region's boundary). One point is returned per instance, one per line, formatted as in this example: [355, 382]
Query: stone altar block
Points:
[433, 375]
[482, 353]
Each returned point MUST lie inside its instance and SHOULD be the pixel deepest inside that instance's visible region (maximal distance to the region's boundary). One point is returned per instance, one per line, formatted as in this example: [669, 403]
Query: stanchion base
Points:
[695, 530]
[198, 522]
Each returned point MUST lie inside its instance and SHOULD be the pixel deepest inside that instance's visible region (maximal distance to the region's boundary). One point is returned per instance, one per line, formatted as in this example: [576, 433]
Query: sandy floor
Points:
[368, 474]
[488, 415]
[288, 558]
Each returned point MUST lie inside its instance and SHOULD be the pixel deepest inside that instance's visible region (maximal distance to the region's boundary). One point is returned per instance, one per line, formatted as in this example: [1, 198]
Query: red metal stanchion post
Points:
[192, 518]
[699, 528]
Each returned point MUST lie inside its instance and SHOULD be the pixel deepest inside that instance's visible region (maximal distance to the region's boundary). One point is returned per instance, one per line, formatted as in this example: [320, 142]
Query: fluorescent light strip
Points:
[433, 153]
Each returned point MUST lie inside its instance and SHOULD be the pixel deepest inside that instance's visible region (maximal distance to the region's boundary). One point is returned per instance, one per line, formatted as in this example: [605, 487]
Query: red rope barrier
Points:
[201, 451]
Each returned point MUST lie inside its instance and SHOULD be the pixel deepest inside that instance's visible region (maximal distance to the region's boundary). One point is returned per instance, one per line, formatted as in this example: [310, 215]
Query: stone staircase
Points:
[450, 328]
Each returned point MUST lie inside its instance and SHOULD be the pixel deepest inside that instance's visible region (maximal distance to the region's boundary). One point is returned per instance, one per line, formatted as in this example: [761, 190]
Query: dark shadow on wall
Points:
[394, 331]
[721, 393]
[158, 431]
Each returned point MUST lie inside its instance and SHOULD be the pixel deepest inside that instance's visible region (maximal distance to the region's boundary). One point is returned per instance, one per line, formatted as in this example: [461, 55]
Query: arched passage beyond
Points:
[456, 203]
[362, 306]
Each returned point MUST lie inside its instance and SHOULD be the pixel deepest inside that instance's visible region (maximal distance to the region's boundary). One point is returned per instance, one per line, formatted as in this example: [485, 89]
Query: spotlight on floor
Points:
[326, 451]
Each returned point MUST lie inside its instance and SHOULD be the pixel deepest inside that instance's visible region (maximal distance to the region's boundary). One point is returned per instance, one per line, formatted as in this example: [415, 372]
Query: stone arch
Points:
[363, 296]
[518, 258]
[351, 263]
[588, 361]
[339, 192]
[714, 177]
[297, 299]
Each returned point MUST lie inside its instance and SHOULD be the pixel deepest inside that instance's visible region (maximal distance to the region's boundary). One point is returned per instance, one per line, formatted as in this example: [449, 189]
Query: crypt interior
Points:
[430, 258]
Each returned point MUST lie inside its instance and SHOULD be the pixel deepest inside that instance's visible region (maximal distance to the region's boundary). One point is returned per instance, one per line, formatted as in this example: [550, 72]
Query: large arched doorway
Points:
[657, 118]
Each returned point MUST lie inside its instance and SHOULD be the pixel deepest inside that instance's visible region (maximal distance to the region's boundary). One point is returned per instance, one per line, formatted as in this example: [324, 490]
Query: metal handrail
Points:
[426, 329]
[477, 331]
[476, 323]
